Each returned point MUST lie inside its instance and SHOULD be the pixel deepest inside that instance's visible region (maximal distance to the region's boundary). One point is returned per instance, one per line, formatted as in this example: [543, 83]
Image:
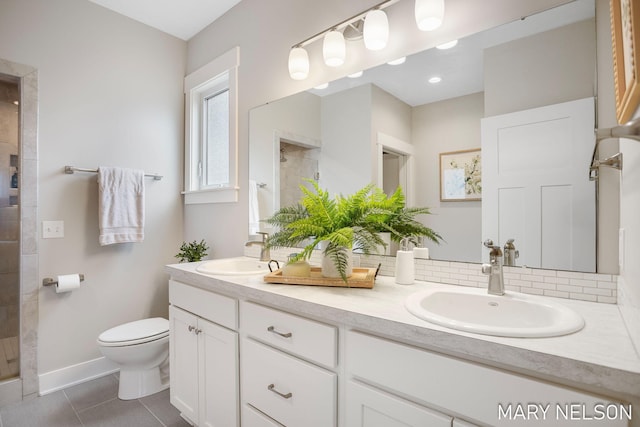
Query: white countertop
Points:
[600, 358]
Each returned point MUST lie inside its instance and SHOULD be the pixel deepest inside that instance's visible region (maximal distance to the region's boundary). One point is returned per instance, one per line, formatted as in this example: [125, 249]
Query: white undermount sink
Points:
[234, 266]
[509, 315]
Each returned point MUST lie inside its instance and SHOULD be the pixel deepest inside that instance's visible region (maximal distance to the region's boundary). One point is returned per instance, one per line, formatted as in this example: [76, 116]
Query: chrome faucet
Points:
[265, 253]
[494, 269]
[510, 253]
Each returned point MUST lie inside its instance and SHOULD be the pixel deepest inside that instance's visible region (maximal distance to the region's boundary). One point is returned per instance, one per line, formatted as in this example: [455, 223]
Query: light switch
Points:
[52, 229]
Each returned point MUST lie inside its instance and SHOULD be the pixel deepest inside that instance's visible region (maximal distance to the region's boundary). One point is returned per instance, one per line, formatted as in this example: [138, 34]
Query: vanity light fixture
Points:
[429, 14]
[298, 63]
[435, 79]
[372, 25]
[334, 49]
[398, 61]
[447, 45]
[376, 30]
[356, 74]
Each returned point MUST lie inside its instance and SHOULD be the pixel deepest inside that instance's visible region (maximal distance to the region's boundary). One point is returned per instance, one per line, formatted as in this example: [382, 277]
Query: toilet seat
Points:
[137, 332]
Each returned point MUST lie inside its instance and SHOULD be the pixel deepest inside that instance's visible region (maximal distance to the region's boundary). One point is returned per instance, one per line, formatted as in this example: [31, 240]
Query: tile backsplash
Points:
[554, 283]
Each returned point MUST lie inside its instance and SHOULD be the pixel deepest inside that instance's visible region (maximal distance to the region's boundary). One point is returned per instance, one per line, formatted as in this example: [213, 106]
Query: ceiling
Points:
[180, 18]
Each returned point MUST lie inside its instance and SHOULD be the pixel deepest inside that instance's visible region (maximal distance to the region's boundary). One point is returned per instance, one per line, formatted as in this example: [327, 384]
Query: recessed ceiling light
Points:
[356, 75]
[435, 79]
[398, 61]
[322, 86]
[447, 45]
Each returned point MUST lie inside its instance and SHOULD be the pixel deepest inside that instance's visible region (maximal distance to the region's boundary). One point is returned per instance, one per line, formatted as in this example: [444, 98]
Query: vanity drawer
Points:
[251, 417]
[217, 308]
[311, 340]
[292, 392]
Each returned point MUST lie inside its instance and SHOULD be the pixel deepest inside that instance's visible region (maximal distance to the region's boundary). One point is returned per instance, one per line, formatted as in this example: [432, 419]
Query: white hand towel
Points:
[254, 211]
[120, 205]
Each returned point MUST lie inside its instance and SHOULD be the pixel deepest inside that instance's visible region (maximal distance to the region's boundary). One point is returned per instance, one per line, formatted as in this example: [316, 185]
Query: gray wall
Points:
[445, 126]
[110, 93]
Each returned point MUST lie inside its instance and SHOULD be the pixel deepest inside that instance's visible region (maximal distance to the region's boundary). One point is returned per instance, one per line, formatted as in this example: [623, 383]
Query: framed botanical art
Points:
[460, 176]
[625, 17]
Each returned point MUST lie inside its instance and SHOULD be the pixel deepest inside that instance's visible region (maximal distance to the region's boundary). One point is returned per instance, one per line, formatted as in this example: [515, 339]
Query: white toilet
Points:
[141, 348]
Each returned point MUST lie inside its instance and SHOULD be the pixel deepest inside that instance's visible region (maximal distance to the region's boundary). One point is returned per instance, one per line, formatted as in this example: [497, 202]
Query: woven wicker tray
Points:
[361, 278]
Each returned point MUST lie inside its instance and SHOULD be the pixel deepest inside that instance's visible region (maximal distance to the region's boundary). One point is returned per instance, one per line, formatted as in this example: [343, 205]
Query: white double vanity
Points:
[244, 352]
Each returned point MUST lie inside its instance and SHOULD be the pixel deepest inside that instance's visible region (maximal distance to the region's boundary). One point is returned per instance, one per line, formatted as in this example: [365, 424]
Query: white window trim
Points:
[194, 85]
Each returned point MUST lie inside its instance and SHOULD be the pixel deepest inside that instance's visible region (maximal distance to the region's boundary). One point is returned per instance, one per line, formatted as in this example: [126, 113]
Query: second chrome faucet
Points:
[265, 253]
[494, 269]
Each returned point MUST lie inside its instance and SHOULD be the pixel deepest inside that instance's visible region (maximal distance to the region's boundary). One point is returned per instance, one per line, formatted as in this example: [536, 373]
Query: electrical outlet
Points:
[52, 229]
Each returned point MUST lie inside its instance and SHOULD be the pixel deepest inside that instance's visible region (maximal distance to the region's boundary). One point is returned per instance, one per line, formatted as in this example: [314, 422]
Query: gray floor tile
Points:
[118, 413]
[52, 410]
[91, 393]
[161, 407]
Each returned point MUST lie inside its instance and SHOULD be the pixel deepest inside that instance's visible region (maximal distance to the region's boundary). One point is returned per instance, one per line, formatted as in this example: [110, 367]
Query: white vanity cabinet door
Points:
[218, 375]
[291, 391]
[203, 370]
[461, 387]
[369, 407]
[183, 362]
[462, 423]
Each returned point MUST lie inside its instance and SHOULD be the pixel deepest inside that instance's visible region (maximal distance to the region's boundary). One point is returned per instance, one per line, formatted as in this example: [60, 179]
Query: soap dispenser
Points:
[405, 269]
[421, 251]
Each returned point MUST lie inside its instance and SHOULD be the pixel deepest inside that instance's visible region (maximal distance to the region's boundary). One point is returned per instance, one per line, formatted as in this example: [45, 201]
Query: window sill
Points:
[214, 195]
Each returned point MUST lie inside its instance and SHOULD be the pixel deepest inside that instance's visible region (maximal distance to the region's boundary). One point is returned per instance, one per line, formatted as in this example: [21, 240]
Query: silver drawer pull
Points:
[197, 331]
[272, 329]
[191, 328]
[272, 388]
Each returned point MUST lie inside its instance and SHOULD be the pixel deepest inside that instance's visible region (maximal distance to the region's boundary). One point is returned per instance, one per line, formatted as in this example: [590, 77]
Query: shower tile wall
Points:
[9, 232]
[301, 163]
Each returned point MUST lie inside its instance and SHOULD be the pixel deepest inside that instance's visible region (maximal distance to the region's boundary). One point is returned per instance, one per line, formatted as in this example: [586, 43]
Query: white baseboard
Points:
[75, 374]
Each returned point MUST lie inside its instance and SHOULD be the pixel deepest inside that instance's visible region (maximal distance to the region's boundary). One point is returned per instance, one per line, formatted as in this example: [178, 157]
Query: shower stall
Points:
[9, 230]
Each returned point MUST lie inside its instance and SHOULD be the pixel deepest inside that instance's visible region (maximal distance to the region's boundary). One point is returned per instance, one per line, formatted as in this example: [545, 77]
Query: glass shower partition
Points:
[9, 231]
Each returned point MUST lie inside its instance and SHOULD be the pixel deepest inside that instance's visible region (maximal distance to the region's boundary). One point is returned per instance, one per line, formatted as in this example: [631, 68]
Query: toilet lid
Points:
[138, 330]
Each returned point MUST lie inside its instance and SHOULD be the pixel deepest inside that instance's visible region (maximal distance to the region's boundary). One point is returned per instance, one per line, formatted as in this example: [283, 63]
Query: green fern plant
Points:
[345, 223]
[194, 251]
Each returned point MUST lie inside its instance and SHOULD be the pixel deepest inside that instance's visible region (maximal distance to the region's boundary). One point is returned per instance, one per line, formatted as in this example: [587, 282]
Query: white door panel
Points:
[535, 186]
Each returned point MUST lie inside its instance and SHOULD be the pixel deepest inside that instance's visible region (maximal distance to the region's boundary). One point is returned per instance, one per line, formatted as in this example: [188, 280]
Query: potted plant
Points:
[190, 252]
[344, 224]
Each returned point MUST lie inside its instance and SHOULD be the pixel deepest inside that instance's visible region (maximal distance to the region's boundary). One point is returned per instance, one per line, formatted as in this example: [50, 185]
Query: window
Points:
[211, 132]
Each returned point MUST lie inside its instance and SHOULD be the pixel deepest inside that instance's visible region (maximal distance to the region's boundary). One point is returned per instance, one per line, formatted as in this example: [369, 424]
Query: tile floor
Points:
[92, 404]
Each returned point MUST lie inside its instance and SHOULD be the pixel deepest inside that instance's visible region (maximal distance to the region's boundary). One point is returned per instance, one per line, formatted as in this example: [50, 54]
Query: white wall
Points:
[439, 127]
[265, 31]
[110, 93]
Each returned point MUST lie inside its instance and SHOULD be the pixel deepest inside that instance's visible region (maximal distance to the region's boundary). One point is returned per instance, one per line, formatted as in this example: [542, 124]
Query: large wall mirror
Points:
[391, 126]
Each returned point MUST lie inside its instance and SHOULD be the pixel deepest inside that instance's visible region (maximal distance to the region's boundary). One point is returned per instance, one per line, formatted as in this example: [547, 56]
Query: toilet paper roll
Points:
[67, 283]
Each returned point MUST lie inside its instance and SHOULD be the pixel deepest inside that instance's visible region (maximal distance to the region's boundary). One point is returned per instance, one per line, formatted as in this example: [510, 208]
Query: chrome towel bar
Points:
[73, 169]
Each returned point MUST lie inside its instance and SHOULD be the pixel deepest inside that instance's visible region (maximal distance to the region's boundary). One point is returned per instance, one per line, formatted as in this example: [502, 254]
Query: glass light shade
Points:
[447, 45]
[398, 61]
[298, 63]
[429, 14]
[376, 30]
[334, 49]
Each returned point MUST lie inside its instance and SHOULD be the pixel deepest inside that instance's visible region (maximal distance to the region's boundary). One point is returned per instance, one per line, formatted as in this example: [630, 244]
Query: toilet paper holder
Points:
[48, 281]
